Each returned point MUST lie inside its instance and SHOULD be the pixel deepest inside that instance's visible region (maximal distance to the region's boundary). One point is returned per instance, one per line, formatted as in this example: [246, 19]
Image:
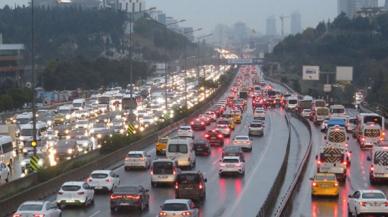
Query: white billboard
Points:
[344, 73]
[240, 61]
[311, 73]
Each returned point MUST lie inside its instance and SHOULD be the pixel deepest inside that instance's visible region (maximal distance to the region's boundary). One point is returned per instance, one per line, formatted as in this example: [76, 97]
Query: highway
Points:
[230, 196]
[358, 178]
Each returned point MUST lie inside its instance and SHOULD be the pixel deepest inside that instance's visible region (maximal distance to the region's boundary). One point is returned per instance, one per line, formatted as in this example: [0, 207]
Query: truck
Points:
[334, 155]
[378, 170]
[368, 120]
[337, 111]
[291, 103]
[368, 135]
[25, 136]
[305, 103]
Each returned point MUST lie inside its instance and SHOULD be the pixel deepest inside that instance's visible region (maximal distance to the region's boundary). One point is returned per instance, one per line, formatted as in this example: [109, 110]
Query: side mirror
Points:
[368, 158]
[205, 180]
[311, 178]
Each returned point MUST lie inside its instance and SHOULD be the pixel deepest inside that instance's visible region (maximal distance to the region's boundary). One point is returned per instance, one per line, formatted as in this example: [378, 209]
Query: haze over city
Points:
[252, 12]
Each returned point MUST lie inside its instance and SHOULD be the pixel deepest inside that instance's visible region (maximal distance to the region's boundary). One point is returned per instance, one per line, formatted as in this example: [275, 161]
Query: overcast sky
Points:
[208, 13]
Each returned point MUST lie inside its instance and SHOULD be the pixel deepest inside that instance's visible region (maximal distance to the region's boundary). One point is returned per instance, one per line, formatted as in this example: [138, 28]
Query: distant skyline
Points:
[208, 13]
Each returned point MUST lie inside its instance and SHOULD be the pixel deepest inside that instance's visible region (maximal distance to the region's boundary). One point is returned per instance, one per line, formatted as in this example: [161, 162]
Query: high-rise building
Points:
[351, 7]
[345, 6]
[386, 4]
[271, 26]
[11, 64]
[296, 23]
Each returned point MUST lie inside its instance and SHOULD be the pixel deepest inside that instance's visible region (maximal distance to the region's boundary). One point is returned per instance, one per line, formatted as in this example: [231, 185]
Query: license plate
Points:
[213, 137]
[199, 149]
[162, 177]
[230, 166]
[98, 187]
[124, 204]
[325, 185]
[70, 201]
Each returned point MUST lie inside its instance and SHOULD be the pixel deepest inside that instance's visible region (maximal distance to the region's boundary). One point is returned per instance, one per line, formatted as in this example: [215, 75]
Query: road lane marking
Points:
[96, 213]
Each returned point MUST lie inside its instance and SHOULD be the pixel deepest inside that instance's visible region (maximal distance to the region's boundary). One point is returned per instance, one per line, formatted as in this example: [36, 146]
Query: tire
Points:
[113, 209]
[126, 169]
[154, 184]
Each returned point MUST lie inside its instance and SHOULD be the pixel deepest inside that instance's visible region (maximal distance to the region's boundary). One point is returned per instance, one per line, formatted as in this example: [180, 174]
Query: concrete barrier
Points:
[44, 189]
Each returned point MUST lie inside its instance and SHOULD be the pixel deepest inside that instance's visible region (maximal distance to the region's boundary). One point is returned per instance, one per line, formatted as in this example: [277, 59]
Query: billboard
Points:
[344, 73]
[311, 73]
[240, 61]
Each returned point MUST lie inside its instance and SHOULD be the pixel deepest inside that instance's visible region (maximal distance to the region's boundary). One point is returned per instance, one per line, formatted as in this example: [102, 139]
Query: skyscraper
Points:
[345, 6]
[350, 7]
[386, 4]
[271, 26]
[296, 23]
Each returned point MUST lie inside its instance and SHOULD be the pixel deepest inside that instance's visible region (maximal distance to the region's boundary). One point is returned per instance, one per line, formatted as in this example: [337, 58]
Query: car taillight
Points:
[386, 203]
[134, 197]
[187, 213]
[176, 185]
[192, 123]
[363, 204]
[372, 168]
[200, 186]
[220, 136]
[60, 193]
[113, 197]
[174, 172]
[107, 180]
[17, 215]
[38, 215]
[363, 139]
[336, 184]
[344, 162]
[314, 184]
[151, 171]
[206, 135]
[318, 162]
[81, 193]
[162, 213]
[202, 123]
[127, 158]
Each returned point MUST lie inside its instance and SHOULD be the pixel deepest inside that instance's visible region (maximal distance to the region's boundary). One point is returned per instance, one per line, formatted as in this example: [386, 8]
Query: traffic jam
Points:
[78, 127]
[345, 131]
[172, 162]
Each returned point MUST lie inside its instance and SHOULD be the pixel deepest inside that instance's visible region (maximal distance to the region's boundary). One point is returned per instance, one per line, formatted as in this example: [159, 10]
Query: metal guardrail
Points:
[44, 189]
[269, 203]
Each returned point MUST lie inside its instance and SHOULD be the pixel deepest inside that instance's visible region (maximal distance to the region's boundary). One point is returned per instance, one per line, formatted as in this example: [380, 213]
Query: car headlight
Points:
[70, 151]
[23, 163]
[99, 136]
[40, 162]
[67, 117]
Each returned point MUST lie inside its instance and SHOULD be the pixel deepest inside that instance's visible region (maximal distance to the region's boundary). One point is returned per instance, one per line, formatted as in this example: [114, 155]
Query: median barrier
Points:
[40, 190]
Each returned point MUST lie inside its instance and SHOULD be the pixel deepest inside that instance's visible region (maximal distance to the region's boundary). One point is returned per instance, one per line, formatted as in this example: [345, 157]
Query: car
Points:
[243, 141]
[185, 131]
[161, 146]
[198, 124]
[351, 124]
[231, 150]
[201, 147]
[137, 159]
[212, 115]
[191, 185]
[178, 207]
[103, 180]
[84, 124]
[215, 137]
[367, 202]
[227, 121]
[38, 209]
[130, 197]
[224, 129]
[256, 129]
[237, 116]
[324, 184]
[231, 165]
[306, 113]
[259, 113]
[163, 171]
[66, 149]
[203, 117]
[4, 172]
[75, 193]
[84, 143]
[180, 149]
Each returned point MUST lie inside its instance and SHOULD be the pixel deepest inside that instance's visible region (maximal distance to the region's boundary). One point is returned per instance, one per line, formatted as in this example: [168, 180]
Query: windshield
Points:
[188, 178]
[338, 111]
[373, 195]
[230, 160]
[99, 175]
[174, 207]
[322, 111]
[26, 132]
[320, 104]
[133, 155]
[77, 105]
[162, 167]
[71, 188]
[23, 120]
[374, 119]
[292, 101]
[31, 207]
[256, 125]
[177, 148]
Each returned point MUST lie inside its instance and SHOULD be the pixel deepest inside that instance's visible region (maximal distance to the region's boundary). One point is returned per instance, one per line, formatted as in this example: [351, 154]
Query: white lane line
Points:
[96, 213]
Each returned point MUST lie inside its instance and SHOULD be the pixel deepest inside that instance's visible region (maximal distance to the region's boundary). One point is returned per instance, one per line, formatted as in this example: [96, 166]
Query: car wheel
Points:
[113, 209]
[243, 173]
[7, 179]
[126, 168]
[153, 184]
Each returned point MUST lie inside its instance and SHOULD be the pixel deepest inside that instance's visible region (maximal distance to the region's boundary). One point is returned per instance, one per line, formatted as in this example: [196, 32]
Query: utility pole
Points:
[131, 20]
[34, 139]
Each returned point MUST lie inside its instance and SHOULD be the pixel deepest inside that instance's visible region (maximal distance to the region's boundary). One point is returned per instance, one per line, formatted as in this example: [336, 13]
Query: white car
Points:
[185, 131]
[211, 115]
[4, 172]
[82, 124]
[75, 193]
[259, 113]
[306, 113]
[38, 209]
[256, 129]
[367, 202]
[84, 143]
[231, 164]
[244, 142]
[103, 180]
[224, 129]
[137, 159]
[178, 207]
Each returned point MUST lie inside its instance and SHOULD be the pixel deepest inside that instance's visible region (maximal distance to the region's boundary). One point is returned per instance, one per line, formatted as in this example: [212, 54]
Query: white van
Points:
[163, 171]
[79, 104]
[181, 151]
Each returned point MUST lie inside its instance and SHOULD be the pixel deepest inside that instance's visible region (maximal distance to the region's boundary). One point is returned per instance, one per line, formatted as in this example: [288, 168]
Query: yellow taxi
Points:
[161, 146]
[236, 116]
[230, 118]
[59, 119]
[324, 184]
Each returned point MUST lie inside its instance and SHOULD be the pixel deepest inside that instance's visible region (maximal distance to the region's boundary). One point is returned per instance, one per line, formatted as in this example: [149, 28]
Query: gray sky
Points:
[208, 13]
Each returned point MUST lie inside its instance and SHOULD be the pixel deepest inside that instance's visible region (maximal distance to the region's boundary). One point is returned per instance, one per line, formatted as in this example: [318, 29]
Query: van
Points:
[163, 171]
[181, 151]
[79, 104]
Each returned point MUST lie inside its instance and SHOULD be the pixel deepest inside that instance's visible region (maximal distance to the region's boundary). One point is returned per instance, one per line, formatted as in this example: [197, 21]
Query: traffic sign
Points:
[34, 162]
[131, 129]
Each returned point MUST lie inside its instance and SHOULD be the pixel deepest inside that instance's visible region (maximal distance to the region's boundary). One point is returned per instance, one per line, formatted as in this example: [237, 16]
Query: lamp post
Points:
[34, 139]
[185, 61]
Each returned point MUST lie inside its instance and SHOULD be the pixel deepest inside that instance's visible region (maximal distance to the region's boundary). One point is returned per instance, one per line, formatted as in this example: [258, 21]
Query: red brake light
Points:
[363, 204]
[202, 123]
[318, 162]
[363, 139]
[344, 163]
[81, 193]
[135, 197]
[220, 136]
[38, 215]
[372, 168]
[192, 123]
[336, 184]
[200, 186]
[113, 197]
[151, 171]
[187, 213]
[314, 184]
[174, 172]
[206, 135]
[176, 185]
[386, 203]
[16, 215]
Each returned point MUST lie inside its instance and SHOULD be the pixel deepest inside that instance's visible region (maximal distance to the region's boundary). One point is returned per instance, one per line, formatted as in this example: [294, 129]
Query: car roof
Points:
[371, 191]
[232, 157]
[102, 171]
[177, 201]
[73, 183]
[34, 202]
[136, 152]
[128, 189]
[189, 172]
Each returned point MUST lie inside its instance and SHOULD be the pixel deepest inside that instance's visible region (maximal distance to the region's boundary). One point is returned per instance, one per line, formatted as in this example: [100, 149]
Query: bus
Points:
[7, 153]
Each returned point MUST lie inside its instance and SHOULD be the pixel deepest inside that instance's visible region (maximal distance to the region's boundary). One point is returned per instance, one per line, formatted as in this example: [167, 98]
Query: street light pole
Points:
[34, 139]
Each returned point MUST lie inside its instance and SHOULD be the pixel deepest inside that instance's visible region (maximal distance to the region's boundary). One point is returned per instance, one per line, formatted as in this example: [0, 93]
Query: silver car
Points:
[178, 207]
[38, 208]
[256, 129]
[163, 171]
